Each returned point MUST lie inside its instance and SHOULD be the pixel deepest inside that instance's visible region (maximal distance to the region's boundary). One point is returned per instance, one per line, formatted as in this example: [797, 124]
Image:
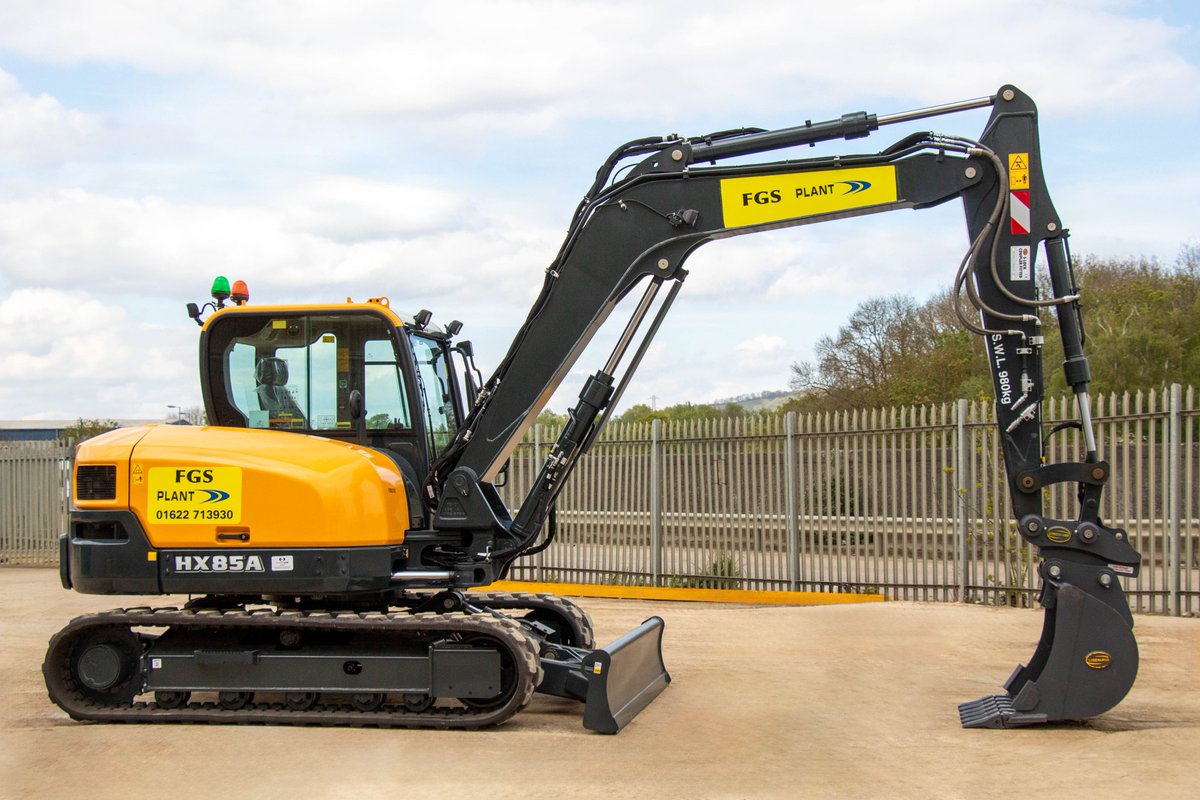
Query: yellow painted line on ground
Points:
[693, 595]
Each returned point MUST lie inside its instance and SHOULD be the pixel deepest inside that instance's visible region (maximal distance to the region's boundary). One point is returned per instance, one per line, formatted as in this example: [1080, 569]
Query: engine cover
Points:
[230, 488]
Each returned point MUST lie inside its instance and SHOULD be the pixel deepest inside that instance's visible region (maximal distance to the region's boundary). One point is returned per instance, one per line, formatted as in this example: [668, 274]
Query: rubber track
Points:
[507, 633]
[507, 601]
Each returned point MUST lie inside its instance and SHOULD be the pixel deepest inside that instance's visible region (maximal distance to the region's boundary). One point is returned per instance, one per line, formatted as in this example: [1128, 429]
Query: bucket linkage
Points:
[1087, 657]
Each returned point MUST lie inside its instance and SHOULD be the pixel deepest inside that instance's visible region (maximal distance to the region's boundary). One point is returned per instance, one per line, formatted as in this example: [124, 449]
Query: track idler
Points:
[615, 682]
[1087, 657]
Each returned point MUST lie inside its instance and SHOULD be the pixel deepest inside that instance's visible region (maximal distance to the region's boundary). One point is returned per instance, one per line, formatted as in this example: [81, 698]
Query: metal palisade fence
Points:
[34, 484]
[910, 502]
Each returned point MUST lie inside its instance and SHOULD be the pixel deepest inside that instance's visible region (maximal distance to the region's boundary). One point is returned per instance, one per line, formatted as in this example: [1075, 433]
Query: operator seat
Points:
[271, 377]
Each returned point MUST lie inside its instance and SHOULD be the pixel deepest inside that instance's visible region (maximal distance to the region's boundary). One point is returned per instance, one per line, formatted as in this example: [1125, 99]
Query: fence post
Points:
[656, 504]
[961, 454]
[789, 500]
[1174, 446]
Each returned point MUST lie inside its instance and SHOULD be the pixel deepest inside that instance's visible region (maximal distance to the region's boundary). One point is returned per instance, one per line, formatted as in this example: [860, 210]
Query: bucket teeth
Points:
[995, 711]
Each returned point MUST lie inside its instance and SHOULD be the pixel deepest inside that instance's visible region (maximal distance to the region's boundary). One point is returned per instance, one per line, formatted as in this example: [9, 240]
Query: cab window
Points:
[297, 372]
[385, 399]
[434, 381]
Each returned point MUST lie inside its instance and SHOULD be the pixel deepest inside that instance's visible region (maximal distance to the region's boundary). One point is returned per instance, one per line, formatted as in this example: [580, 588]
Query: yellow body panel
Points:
[376, 305]
[188, 484]
[108, 448]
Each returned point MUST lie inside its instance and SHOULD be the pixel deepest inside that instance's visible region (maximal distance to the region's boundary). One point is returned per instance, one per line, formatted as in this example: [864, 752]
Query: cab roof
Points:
[374, 305]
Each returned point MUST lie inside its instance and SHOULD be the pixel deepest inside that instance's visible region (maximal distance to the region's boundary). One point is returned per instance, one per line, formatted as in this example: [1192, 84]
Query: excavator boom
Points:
[639, 231]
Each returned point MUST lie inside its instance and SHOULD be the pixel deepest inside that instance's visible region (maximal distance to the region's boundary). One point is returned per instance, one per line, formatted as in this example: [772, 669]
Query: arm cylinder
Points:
[1070, 318]
[1070, 326]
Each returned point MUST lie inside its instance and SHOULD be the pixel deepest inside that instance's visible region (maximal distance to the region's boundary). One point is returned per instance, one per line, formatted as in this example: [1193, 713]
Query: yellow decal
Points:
[279, 324]
[152, 556]
[186, 495]
[137, 475]
[769, 198]
[1097, 659]
[597, 668]
[1018, 170]
[1058, 534]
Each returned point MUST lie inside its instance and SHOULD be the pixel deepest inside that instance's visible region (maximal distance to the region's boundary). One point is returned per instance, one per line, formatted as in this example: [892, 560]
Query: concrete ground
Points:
[854, 701]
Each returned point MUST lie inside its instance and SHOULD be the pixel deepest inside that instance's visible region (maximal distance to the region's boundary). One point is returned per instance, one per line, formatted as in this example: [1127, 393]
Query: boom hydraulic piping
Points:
[643, 227]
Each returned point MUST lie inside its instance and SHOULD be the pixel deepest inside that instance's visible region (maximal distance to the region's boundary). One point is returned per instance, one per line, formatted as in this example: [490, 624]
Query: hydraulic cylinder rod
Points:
[848, 126]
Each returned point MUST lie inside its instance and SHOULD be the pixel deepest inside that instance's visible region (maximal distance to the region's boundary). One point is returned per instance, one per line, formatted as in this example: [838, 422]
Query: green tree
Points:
[891, 351]
[681, 412]
[548, 417]
[639, 412]
[734, 410]
[87, 428]
[1142, 322]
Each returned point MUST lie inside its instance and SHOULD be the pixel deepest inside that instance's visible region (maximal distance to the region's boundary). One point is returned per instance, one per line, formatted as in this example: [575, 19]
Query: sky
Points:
[433, 153]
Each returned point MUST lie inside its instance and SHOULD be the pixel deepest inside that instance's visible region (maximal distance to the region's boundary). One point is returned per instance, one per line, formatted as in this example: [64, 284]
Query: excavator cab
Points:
[304, 494]
[357, 373]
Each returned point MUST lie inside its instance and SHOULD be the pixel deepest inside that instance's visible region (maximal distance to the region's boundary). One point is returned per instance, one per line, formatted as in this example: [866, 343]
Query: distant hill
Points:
[756, 401]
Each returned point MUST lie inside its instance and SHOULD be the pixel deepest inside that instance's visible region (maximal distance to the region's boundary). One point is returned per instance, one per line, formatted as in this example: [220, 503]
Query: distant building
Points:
[47, 430]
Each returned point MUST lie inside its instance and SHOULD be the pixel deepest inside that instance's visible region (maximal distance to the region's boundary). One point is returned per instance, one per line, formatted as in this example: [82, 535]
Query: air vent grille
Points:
[96, 482]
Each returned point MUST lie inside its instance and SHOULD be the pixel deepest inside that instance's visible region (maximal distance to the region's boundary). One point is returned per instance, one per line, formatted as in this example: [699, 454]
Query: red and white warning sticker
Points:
[1018, 211]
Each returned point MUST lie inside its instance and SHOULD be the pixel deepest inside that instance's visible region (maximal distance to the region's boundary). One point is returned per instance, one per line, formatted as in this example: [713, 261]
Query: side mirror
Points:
[356, 405]
[471, 375]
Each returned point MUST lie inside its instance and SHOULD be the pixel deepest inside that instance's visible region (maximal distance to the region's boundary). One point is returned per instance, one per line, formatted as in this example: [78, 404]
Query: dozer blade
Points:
[615, 682]
[1084, 664]
[625, 677]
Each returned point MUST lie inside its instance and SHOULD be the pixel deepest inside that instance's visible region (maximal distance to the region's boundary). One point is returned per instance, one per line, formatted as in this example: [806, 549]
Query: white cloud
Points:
[903, 251]
[40, 129]
[67, 354]
[337, 235]
[1130, 212]
[536, 62]
[319, 151]
[763, 353]
[350, 209]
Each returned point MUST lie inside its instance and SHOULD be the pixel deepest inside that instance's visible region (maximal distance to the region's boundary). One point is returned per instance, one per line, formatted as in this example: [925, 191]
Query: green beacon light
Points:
[220, 290]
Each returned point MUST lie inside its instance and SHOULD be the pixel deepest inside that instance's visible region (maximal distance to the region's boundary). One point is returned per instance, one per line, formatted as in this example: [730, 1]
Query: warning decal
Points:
[1018, 211]
[1019, 267]
[770, 198]
[194, 495]
[1018, 170]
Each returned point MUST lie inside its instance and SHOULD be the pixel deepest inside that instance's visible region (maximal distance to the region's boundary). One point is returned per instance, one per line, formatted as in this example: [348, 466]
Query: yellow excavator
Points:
[331, 519]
